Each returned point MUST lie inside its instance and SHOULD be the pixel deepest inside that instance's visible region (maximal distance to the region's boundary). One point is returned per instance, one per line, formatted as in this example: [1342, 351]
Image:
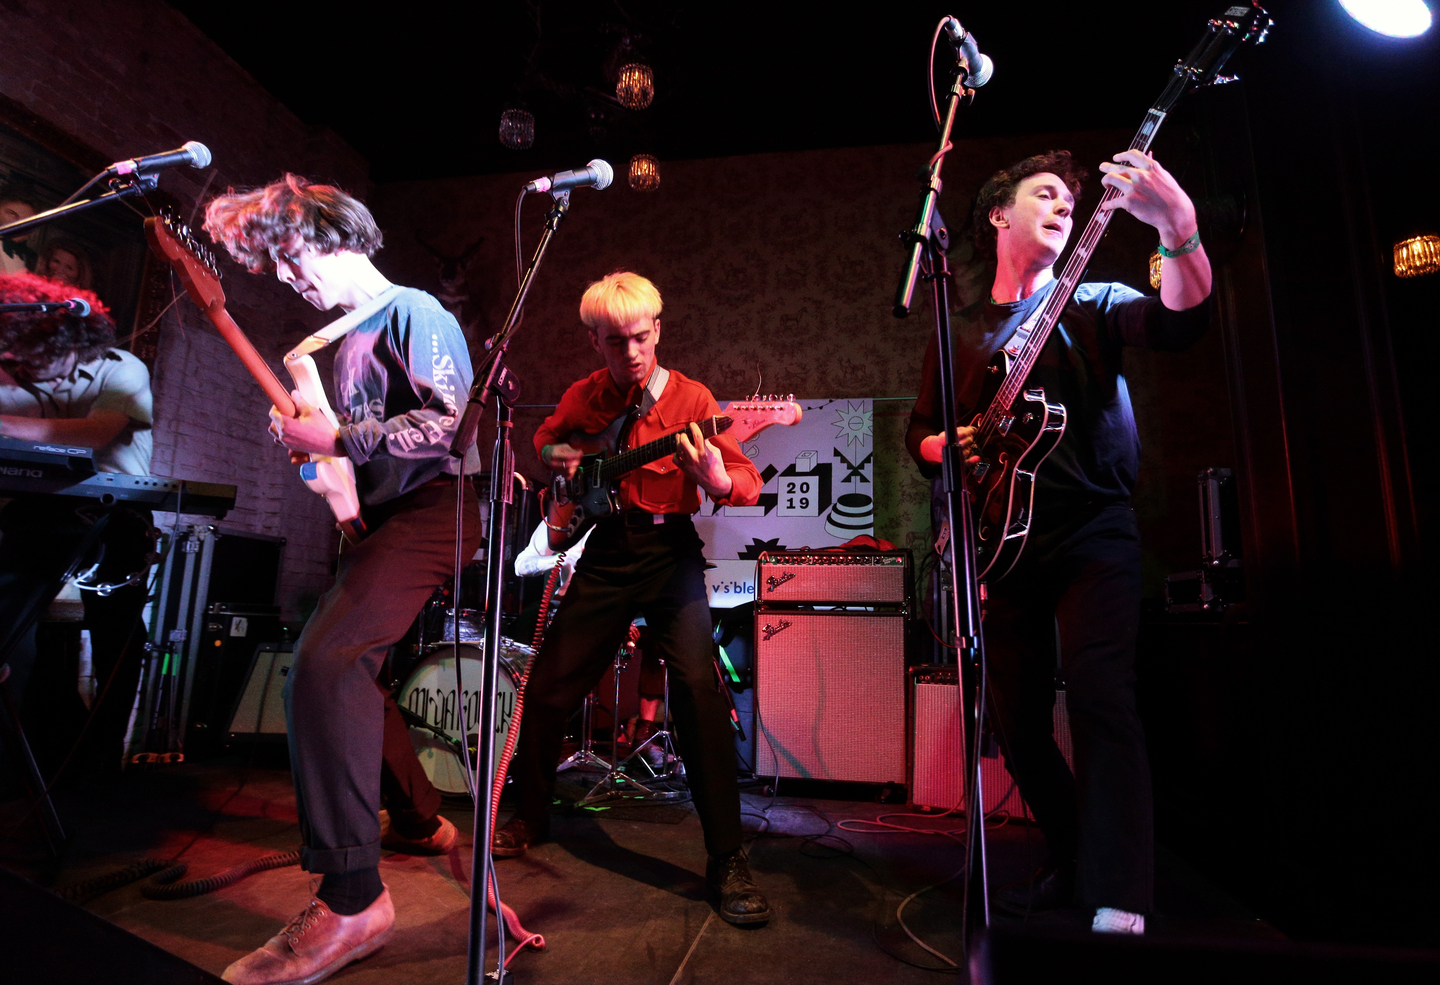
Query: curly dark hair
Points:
[46, 336]
[249, 224]
[999, 191]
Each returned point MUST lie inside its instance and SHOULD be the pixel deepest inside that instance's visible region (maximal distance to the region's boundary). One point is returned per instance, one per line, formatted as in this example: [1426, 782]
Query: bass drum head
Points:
[428, 695]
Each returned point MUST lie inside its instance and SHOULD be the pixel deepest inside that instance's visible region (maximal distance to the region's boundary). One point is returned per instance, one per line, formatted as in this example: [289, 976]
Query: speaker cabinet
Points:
[937, 748]
[260, 711]
[830, 695]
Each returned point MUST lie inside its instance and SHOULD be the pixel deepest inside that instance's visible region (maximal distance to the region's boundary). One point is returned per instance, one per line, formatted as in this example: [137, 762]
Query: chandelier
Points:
[644, 173]
[517, 128]
[1416, 256]
[636, 86]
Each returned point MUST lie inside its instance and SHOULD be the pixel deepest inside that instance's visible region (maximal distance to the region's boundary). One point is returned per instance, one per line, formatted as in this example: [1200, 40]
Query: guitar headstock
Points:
[750, 417]
[173, 242]
[1240, 23]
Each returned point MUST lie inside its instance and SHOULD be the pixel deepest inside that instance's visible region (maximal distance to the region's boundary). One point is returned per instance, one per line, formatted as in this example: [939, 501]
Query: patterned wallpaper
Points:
[779, 267]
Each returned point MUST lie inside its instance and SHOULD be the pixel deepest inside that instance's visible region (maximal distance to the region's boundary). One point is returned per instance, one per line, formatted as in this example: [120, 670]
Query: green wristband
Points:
[1189, 246]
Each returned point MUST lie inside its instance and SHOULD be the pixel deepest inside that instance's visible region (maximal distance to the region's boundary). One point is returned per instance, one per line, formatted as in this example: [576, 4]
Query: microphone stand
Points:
[493, 379]
[124, 187]
[928, 241]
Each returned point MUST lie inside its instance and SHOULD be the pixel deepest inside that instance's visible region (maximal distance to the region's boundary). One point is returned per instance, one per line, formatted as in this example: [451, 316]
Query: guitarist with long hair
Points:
[644, 559]
[1080, 566]
[400, 376]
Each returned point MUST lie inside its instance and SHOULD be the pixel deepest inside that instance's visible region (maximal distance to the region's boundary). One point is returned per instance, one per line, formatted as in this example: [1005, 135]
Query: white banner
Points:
[819, 491]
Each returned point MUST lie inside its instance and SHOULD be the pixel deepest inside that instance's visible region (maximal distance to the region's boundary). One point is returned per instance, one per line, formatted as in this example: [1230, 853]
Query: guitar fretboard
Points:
[1075, 268]
[627, 461]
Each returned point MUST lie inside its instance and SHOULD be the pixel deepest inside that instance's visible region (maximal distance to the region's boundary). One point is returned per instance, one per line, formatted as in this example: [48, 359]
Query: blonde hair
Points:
[619, 299]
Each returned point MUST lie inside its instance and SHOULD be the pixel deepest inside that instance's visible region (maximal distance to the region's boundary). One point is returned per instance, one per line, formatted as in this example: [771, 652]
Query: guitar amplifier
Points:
[260, 709]
[833, 577]
[937, 748]
[830, 695]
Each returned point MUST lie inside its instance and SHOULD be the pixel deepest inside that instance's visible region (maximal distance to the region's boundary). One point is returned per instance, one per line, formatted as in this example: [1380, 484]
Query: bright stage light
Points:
[1393, 18]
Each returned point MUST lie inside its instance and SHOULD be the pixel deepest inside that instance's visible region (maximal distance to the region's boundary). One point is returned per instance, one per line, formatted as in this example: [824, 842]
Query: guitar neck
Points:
[254, 362]
[1060, 297]
[631, 459]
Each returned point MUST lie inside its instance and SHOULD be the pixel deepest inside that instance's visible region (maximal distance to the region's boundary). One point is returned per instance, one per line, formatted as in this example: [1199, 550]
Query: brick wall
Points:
[138, 78]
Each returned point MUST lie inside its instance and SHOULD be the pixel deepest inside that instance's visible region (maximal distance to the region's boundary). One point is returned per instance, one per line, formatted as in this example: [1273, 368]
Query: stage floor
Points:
[618, 895]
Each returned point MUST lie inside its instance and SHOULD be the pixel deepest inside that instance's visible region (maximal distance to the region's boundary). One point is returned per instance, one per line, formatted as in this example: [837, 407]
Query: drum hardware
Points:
[585, 757]
[436, 715]
[616, 784]
[661, 739]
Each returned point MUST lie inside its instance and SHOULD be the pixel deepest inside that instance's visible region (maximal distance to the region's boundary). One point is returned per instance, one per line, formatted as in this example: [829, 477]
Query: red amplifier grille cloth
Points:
[830, 692]
[832, 578]
[939, 754]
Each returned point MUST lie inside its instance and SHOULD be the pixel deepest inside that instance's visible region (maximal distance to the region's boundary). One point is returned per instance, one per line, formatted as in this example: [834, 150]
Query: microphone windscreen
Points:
[199, 154]
[982, 73]
[605, 173]
[79, 306]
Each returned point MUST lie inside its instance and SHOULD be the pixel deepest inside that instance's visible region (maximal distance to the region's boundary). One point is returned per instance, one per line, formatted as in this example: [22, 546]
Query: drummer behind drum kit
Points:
[428, 701]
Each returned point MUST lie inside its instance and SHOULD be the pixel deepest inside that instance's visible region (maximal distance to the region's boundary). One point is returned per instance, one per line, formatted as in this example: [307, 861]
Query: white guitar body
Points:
[333, 478]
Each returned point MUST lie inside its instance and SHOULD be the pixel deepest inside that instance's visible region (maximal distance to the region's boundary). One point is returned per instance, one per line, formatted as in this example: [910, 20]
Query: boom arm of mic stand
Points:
[927, 242]
[126, 188]
[492, 373]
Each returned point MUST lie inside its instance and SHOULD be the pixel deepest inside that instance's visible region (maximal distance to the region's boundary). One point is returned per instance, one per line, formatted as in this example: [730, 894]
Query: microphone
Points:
[78, 306]
[194, 153]
[978, 67]
[598, 173]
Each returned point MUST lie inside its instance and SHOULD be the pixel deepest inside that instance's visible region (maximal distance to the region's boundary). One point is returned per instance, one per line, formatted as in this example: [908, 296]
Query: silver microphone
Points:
[978, 67]
[597, 173]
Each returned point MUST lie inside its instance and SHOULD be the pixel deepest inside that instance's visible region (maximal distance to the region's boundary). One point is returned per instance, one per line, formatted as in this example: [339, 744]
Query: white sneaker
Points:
[1109, 920]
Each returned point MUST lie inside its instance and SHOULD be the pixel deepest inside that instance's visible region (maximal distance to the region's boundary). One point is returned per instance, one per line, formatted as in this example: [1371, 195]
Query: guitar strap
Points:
[1022, 334]
[654, 387]
[344, 324]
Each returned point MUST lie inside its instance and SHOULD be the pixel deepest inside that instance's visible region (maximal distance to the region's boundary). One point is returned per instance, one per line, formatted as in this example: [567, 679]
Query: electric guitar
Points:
[333, 478]
[573, 505]
[1020, 426]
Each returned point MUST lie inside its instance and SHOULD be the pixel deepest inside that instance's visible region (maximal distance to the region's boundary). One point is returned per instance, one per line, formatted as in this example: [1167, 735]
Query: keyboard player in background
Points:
[63, 380]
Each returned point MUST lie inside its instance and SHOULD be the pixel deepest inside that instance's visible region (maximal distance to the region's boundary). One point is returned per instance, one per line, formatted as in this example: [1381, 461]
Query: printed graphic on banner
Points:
[819, 492]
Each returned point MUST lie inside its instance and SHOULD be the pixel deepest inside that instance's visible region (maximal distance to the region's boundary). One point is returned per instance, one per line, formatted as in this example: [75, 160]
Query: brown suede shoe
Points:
[438, 843]
[315, 945]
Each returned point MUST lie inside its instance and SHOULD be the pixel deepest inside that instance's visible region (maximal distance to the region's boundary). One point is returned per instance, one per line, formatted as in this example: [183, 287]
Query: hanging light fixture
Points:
[1416, 256]
[635, 87]
[644, 173]
[517, 128]
[1156, 262]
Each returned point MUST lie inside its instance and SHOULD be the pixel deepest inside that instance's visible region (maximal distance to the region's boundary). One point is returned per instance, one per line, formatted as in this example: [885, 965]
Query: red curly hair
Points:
[45, 336]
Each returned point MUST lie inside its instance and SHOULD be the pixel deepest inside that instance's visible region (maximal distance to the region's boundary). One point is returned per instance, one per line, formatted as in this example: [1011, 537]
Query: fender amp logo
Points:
[769, 631]
[775, 581]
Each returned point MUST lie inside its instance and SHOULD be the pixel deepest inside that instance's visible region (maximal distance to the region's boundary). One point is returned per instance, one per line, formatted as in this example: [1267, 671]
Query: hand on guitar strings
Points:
[1151, 194]
[308, 433]
[701, 461]
[563, 458]
[931, 448]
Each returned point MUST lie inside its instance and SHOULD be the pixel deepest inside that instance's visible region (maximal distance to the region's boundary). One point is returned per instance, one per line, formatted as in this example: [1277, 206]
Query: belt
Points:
[639, 518]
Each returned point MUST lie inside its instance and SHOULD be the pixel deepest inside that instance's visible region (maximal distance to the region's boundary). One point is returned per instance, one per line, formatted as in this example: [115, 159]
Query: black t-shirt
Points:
[1097, 460]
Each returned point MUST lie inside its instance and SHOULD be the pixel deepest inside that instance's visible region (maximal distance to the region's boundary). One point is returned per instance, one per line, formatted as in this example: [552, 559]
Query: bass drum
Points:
[428, 696]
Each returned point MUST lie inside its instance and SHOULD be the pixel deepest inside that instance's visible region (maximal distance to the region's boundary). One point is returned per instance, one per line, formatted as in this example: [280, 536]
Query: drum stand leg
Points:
[616, 784]
[584, 757]
[661, 739]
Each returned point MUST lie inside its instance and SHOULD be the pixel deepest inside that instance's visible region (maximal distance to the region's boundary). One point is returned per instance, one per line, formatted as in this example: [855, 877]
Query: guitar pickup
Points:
[1006, 423]
[980, 471]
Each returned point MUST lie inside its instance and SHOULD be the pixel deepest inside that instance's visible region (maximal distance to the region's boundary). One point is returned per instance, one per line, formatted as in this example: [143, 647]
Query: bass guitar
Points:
[1020, 425]
[573, 505]
[332, 478]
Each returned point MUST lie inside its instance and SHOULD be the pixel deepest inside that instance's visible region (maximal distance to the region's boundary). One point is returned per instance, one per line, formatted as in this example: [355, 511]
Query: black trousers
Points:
[334, 711]
[1086, 581]
[656, 571]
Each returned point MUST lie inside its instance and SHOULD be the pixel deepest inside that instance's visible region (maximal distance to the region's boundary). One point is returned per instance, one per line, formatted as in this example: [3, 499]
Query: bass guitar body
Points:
[1004, 480]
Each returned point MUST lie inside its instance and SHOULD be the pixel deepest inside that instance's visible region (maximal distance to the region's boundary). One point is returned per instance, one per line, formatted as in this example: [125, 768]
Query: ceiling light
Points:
[636, 86]
[1393, 18]
[644, 173]
[517, 128]
[1417, 256]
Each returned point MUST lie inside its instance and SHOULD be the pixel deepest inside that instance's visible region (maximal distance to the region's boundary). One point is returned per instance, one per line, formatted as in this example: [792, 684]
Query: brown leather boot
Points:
[315, 945]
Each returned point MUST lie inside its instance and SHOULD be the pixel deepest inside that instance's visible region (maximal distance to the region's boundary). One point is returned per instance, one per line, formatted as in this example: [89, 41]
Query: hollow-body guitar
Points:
[573, 505]
[1020, 425]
